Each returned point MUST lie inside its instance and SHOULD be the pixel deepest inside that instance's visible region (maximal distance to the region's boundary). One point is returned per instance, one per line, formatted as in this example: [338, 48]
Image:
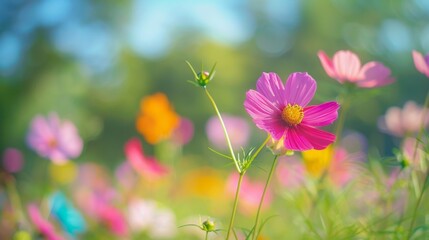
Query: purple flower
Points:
[282, 111]
[54, 139]
[238, 131]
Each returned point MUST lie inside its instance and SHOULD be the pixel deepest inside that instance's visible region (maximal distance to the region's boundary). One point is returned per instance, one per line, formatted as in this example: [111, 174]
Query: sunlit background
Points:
[93, 61]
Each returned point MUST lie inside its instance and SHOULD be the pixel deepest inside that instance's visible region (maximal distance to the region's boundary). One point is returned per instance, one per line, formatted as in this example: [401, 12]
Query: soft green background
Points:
[60, 44]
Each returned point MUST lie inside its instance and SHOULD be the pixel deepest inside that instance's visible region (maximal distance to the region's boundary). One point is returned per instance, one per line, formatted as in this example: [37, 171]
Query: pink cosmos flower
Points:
[184, 132]
[250, 193]
[53, 139]
[400, 122]
[41, 224]
[238, 131]
[146, 166]
[345, 66]
[282, 111]
[421, 62]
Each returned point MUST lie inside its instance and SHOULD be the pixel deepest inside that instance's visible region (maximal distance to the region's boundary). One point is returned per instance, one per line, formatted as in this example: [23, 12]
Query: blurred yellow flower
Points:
[317, 161]
[63, 173]
[157, 118]
[205, 182]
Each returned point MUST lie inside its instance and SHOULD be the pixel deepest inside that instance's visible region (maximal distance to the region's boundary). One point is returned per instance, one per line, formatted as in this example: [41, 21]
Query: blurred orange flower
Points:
[157, 118]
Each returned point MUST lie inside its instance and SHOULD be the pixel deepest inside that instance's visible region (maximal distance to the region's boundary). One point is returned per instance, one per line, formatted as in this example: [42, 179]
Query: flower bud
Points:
[277, 147]
[208, 226]
[203, 77]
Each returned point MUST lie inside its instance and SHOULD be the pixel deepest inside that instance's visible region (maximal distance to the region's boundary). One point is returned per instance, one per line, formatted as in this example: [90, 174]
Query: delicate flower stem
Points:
[207, 235]
[422, 124]
[341, 119]
[234, 209]
[224, 130]
[255, 231]
[14, 198]
[260, 148]
[416, 207]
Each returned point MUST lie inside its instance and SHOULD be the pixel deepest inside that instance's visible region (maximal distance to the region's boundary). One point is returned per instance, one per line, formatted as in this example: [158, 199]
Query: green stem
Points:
[234, 209]
[14, 199]
[255, 231]
[416, 207]
[259, 149]
[341, 119]
[422, 125]
[207, 235]
[224, 130]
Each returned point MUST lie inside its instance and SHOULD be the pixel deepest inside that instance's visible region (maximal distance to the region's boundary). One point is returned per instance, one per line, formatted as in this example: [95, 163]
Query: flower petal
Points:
[300, 89]
[347, 66]
[295, 141]
[327, 64]
[265, 114]
[374, 74]
[319, 139]
[147, 166]
[321, 115]
[421, 63]
[270, 85]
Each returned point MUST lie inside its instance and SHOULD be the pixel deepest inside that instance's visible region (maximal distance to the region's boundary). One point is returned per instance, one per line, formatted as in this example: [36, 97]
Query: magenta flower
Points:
[421, 62]
[345, 66]
[53, 139]
[144, 165]
[237, 127]
[42, 225]
[282, 111]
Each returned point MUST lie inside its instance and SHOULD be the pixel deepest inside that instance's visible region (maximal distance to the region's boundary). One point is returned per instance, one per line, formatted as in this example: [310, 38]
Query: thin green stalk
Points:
[207, 235]
[14, 199]
[224, 130]
[234, 209]
[416, 207]
[259, 149]
[341, 119]
[422, 124]
[255, 230]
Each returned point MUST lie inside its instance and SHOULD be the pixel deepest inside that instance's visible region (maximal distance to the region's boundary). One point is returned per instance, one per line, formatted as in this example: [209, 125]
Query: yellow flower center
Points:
[293, 114]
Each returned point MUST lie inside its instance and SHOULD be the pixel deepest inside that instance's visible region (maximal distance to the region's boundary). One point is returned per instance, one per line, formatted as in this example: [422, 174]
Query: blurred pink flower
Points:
[238, 131]
[400, 122]
[146, 166]
[113, 219]
[421, 62]
[183, 132]
[41, 224]
[413, 156]
[345, 66]
[53, 139]
[12, 160]
[282, 111]
[342, 168]
[290, 172]
[250, 193]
